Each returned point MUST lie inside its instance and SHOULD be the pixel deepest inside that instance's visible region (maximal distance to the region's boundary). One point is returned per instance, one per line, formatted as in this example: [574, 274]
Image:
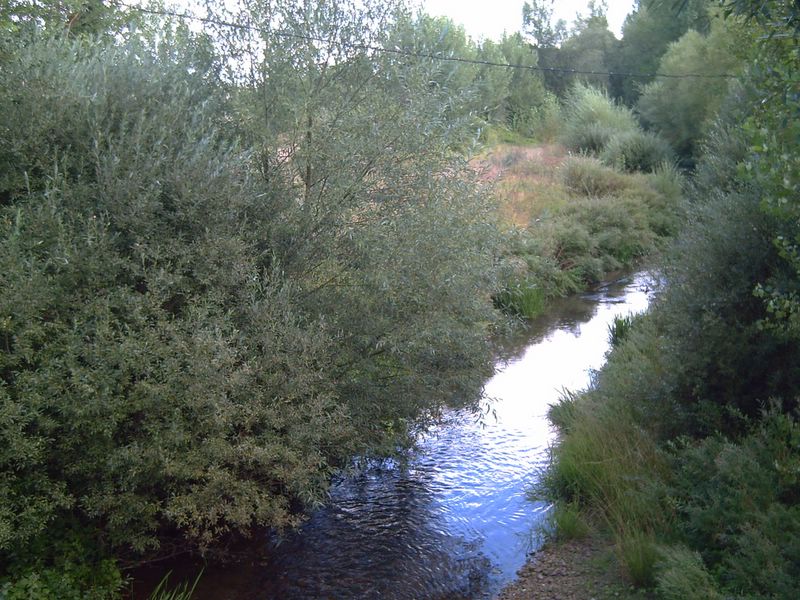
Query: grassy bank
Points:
[601, 198]
[685, 450]
[571, 220]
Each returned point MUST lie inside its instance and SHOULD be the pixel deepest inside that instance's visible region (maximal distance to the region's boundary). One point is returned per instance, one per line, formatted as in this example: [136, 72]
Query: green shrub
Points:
[681, 575]
[591, 119]
[739, 506]
[548, 274]
[592, 138]
[587, 176]
[636, 150]
[548, 119]
[194, 340]
[722, 363]
[69, 580]
[663, 196]
[532, 275]
[608, 233]
[681, 109]
[609, 222]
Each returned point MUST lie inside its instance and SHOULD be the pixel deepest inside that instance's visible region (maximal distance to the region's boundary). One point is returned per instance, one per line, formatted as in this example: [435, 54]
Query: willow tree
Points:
[675, 105]
[381, 225]
[217, 291]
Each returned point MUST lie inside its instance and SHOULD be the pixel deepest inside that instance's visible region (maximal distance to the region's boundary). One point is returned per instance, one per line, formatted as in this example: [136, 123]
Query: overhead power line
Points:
[414, 54]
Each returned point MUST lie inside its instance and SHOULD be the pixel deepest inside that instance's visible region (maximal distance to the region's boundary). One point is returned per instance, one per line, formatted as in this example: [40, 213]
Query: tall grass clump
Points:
[638, 554]
[619, 329]
[591, 119]
[523, 298]
[601, 461]
[667, 180]
[636, 150]
[566, 521]
[182, 591]
[587, 176]
[608, 463]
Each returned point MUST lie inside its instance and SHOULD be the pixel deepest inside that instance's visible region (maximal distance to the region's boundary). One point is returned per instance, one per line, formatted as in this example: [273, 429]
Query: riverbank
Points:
[570, 221]
[576, 569]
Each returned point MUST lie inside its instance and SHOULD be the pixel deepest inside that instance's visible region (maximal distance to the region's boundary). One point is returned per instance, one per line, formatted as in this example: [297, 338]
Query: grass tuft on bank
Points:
[572, 220]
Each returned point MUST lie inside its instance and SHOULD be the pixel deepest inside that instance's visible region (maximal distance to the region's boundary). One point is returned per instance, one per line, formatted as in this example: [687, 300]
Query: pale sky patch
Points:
[490, 18]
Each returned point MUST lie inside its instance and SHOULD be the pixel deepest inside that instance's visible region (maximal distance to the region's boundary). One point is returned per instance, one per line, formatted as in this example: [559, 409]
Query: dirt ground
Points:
[507, 158]
[581, 569]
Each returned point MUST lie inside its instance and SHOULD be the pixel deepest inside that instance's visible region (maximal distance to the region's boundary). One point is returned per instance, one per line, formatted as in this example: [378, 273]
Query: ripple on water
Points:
[454, 522]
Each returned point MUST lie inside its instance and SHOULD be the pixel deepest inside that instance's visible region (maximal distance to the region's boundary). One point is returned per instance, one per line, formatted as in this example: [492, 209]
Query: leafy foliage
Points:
[646, 35]
[590, 49]
[738, 503]
[774, 163]
[687, 439]
[583, 55]
[125, 337]
[215, 295]
[680, 108]
[515, 98]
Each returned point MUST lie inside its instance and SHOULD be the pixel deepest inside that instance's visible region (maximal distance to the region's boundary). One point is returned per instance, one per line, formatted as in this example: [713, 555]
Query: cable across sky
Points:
[422, 55]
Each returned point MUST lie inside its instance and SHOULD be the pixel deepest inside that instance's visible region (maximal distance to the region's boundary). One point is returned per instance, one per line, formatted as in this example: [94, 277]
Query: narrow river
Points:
[455, 521]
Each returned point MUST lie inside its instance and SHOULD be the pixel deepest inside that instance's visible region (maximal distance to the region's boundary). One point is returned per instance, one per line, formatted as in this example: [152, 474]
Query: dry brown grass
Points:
[526, 180]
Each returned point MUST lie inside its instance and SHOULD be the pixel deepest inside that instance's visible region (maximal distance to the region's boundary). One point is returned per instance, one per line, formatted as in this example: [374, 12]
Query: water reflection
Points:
[454, 521]
[385, 535]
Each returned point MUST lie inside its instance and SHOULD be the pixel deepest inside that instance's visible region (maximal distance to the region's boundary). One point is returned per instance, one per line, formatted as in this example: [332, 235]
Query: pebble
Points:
[565, 571]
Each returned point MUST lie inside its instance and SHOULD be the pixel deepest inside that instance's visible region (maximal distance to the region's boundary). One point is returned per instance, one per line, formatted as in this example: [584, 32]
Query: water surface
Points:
[454, 522]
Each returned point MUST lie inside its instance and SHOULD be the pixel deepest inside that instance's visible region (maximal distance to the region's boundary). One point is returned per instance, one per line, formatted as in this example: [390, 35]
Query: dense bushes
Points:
[594, 124]
[737, 501]
[637, 151]
[194, 334]
[681, 108]
[587, 176]
[591, 119]
[686, 444]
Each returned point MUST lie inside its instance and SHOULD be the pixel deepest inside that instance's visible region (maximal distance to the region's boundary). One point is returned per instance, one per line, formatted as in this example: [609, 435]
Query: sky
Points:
[489, 18]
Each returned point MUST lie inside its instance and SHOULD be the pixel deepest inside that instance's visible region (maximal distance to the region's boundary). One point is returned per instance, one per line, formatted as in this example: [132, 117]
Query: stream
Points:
[454, 522]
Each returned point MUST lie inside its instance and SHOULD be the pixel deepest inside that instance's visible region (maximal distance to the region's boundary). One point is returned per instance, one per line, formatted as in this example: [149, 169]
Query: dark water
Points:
[454, 522]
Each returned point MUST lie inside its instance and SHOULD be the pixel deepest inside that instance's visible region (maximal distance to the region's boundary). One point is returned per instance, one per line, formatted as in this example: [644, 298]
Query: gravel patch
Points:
[580, 569]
